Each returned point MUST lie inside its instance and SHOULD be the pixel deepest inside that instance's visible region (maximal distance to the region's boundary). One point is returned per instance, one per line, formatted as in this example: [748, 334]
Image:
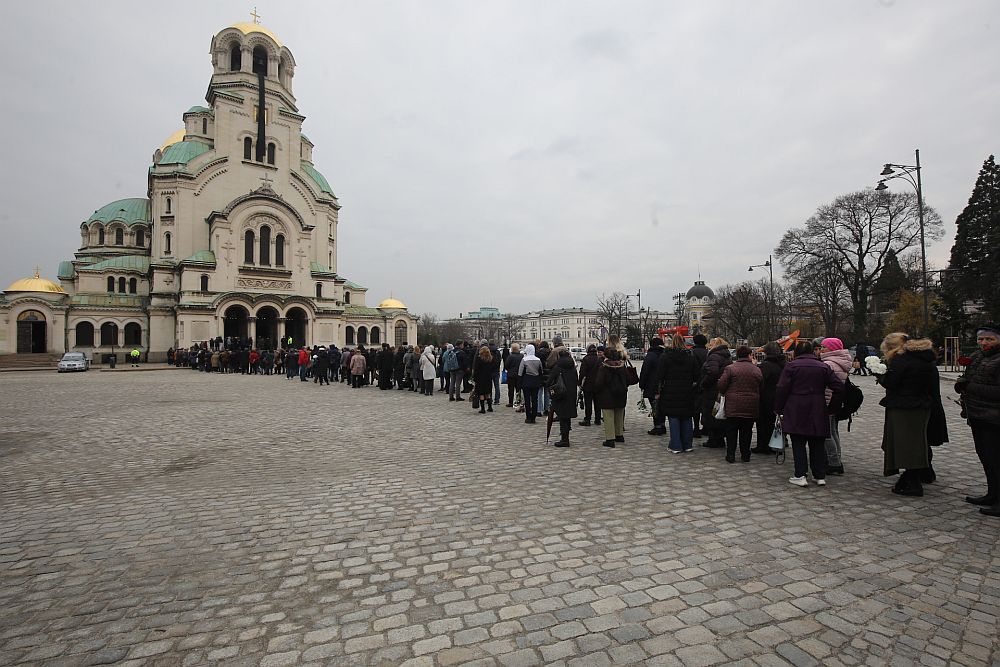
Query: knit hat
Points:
[833, 344]
[989, 328]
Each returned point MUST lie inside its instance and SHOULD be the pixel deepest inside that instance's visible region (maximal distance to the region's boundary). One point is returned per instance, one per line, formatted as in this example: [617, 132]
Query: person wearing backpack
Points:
[832, 353]
[563, 403]
[611, 390]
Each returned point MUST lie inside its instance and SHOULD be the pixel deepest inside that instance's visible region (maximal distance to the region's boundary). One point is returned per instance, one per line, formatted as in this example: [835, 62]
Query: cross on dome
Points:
[255, 16]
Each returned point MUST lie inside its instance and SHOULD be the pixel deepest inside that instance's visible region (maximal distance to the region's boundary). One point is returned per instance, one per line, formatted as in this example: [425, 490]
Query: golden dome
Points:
[36, 284]
[392, 303]
[247, 28]
[174, 138]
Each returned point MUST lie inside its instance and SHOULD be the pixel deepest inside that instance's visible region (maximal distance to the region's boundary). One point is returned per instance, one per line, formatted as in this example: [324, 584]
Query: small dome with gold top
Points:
[247, 28]
[36, 284]
[392, 303]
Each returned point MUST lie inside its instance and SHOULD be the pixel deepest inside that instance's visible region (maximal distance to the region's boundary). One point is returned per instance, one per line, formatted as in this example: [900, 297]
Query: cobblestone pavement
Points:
[176, 518]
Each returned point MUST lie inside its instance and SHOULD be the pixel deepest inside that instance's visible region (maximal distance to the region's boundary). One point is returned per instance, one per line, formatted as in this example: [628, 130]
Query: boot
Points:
[909, 485]
[585, 422]
[984, 501]
[563, 441]
[619, 438]
[489, 405]
[993, 510]
[927, 475]
[482, 408]
[609, 443]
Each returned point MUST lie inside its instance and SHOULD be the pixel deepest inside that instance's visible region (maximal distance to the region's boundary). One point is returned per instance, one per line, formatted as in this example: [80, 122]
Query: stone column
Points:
[252, 330]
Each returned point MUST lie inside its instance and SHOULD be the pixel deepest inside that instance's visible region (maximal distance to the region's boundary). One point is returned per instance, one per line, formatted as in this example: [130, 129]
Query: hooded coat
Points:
[530, 369]
[840, 362]
[428, 363]
[677, 378]
[800, 396]
[647, 374]
[912, 382]
[588, 370]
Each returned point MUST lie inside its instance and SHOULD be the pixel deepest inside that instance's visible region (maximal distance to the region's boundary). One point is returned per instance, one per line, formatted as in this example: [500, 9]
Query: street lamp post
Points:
[907, 173]
[769, 264]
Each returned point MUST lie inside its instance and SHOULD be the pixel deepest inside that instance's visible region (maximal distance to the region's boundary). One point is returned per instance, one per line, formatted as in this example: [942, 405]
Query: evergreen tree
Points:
[975, 257]
[890, 283]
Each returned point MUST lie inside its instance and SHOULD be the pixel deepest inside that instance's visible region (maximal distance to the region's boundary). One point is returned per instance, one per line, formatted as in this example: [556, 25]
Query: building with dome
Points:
[697, 305]
[236, 236]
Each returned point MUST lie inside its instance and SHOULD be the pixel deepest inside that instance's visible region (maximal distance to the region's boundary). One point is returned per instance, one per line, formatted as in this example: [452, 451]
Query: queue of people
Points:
[705, 391]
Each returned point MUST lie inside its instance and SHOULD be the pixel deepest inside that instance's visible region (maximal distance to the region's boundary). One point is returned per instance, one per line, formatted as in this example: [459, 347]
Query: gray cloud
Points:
[520, 153]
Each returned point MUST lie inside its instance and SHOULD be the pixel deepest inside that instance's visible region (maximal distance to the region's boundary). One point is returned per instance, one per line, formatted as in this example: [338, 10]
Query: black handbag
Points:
[631, 373]
[558, 388]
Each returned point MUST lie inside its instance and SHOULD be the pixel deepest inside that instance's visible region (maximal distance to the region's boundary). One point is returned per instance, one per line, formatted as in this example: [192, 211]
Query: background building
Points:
[236, 236]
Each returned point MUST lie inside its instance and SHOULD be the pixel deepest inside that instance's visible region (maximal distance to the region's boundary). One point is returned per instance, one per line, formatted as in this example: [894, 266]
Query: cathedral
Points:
[236, 236]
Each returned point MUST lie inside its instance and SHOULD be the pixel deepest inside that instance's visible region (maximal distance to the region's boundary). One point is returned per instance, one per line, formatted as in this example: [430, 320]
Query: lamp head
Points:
[881, 186]
[887, 171]
[750, 269]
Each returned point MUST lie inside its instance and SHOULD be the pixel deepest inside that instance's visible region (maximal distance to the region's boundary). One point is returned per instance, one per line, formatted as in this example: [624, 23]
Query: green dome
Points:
[183, 152]
[197, 109]
[318, 178]
[201, 257]
[129, 211]
[66, 271]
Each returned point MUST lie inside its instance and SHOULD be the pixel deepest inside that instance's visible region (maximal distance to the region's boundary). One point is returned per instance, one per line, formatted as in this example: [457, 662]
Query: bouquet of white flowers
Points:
[875, 365]
[641, 407]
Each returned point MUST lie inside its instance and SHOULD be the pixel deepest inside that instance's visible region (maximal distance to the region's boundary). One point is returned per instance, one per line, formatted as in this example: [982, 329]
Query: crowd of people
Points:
[709, 391]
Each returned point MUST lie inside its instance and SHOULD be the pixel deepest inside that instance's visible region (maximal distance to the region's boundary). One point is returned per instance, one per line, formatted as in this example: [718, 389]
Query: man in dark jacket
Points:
[589, 365]
[979, 387]
[321, 366]
[386, 363]
[700, 354]
[647, 383]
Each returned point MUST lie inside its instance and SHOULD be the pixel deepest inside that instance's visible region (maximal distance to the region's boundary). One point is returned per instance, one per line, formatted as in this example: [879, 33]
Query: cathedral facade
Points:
[236, 236]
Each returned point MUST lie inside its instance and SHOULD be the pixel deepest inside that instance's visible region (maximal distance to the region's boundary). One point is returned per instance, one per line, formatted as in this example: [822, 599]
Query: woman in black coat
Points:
[482, 378]
[676, 393]
[611, 392]
[770, 368]
[716, 362]
[564, 405]
[912, 387]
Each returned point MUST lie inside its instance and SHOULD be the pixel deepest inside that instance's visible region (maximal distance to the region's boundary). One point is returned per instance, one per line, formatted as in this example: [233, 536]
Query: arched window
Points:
[204, 283]
[109, 333]
[235, 58]
[270, 153]
[140, 237]
[247, 148]
[248, 247]
[84, 334]
[119, 236]
[133, 286]
[347, 297]
[362, 336]
[260, 60]
[204, 126]
[133, 334]
[121, 284]
[166, 243]
[111, 283]
[169, 210]
[100, 236]
[279, 250]
[319, 290]
[376, 335]
[265, 246]
[401, 333]
[349, 336]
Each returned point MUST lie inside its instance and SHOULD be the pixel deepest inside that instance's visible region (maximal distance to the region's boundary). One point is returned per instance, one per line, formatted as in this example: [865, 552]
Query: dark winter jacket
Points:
[740, 383]
[911, 378]
[611, 385]
[588, 370]
[770, 370]
[800, 396]
[565, 406]
[321, 362]
[677, 378]
[647, 374]
[980, 387]
[512, 363]
[700, 354]
[543, 355]
[716, 361]
[482, 376]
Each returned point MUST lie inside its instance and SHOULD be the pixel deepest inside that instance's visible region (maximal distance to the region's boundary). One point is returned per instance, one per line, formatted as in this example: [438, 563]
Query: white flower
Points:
[875, 365]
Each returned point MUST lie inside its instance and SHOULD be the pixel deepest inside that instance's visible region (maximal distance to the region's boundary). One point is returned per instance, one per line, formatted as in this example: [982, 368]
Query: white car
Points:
[73, 361]
[578, 353]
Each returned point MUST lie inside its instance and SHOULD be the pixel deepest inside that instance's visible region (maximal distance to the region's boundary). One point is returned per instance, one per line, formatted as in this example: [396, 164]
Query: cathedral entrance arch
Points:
[295, 326]
[267, 328]
[235, 322]
[31, 332]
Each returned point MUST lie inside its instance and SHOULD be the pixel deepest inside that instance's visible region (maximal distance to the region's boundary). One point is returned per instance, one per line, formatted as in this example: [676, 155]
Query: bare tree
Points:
[855, 233]
[612, 309]
[511, 328]
[741, 312]
[820, 289]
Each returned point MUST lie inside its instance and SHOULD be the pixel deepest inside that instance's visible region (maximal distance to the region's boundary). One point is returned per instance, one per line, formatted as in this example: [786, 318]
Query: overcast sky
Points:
[521, 154]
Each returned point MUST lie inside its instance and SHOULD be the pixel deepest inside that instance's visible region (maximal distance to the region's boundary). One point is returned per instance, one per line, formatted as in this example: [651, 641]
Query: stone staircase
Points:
[27, 362]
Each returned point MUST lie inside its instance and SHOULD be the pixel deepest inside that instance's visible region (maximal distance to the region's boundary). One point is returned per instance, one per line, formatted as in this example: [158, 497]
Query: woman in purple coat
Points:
[800, 399]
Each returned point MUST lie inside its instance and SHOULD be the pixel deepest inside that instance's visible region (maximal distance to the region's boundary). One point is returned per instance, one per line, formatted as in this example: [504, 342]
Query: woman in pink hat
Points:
[832, 353]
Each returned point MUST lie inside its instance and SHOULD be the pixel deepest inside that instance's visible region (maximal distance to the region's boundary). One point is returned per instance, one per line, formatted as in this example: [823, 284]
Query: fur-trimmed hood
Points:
[918, 345]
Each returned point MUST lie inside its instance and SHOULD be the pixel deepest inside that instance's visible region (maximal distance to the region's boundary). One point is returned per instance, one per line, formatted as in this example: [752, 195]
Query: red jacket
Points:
[254, 356]
[303, 357]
